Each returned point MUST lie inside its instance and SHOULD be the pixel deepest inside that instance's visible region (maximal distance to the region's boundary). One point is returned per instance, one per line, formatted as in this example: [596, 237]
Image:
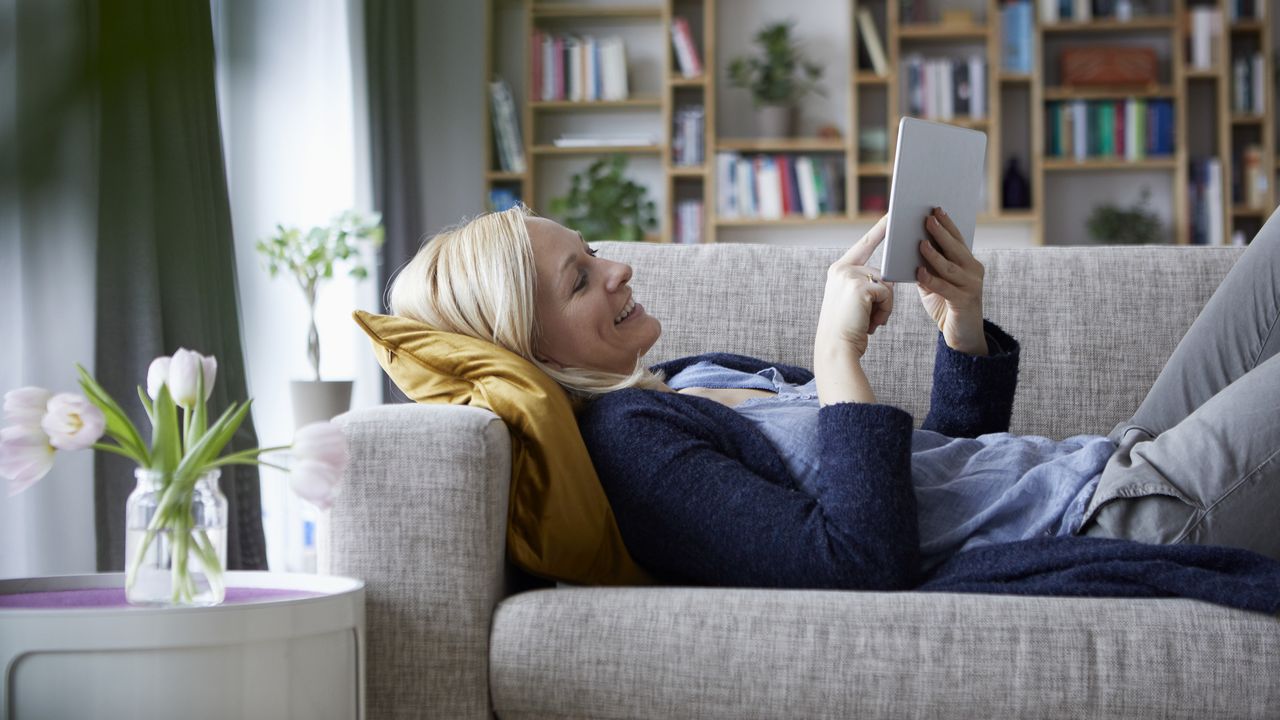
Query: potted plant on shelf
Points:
[777, 78]
[1135, 225]
[603, 204]
[310, 258]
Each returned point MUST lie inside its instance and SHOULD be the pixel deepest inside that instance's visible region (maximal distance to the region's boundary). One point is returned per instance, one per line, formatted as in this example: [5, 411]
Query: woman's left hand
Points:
[950, 285]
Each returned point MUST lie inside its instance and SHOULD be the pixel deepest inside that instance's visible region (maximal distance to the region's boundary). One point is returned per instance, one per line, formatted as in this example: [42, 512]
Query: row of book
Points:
[1204, 201]
[689, 221]
[582, 69]
[1131, 129]
[1249, 89]
[1017, 25]
[1204, 43]
[686, 51]
[1052, 11]
[508, 143]
[688, 136]
[946, 88]
[776, 186]
[1246, 10]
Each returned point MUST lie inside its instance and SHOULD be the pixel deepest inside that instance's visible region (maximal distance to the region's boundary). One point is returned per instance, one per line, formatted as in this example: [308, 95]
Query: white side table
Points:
[281, 646]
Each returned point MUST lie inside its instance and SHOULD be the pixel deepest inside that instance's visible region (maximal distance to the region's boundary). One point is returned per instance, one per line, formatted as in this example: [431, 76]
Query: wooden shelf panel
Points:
[1109, 93]
[503, 175]
[869, 77]
[1248, 119]
[943, 31]
[596, 12]
[1020, 78]
[829, 219]
[1160, 163]
[874, 169]
[682, 81]
[598, 150]
[1243, 211]
[695, 171]
[1203, 74]
[1110, 26]
[1247, 26]
[1008, 217]
[805, 144]
[647, 102]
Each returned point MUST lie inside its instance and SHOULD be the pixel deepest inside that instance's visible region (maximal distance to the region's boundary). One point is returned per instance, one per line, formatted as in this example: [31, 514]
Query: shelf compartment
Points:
[943, 31]
[1109, 26]
[599, 150]
[1108, 93]
[828, 219]
[645, 102]
[806, 144]
[1159, 163]
[693, 171]
[596, 12]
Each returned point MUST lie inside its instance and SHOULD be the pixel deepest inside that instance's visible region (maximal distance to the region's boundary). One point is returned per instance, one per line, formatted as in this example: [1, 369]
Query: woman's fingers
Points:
[860, 252]
[930, 281]
[940, 265]
[950, 240]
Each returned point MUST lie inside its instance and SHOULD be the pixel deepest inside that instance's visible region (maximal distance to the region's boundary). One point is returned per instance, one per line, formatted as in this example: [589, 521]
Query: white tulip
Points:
[73, 423]
[25, 456]
[184, 368]
[26, 406]
[157, 375]
[319, 455]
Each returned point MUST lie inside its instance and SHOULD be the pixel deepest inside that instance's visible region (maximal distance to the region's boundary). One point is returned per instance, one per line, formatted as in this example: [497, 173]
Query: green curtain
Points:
[166, 270]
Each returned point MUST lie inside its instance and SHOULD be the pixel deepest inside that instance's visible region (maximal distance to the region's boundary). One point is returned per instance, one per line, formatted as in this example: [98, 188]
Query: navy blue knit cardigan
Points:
[701, 497]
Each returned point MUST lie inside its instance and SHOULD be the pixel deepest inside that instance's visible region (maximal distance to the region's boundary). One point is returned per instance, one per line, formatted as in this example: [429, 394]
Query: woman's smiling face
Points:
[579, 300]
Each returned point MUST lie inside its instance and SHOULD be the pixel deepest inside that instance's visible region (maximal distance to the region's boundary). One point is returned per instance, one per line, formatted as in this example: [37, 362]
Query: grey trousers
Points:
[1199, 462]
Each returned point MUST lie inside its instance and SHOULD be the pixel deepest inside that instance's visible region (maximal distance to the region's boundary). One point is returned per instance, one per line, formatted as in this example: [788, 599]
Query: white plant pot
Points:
[775, 121]
[316, 400]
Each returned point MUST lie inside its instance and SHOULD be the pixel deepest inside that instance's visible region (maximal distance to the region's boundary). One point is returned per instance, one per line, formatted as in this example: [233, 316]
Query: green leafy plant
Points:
[781, 75]
[603, 204]
[310, 258]
[1135, 225]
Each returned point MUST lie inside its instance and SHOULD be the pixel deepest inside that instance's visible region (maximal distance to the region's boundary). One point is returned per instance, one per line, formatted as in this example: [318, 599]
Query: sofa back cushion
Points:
[1096, 324]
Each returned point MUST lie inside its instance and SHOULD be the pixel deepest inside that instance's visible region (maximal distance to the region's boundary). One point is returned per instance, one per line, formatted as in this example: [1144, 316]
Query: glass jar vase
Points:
[175, 540]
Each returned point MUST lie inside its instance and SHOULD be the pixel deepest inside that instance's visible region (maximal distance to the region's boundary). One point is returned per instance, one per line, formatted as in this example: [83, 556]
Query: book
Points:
[505, 128]
[604, 140]
[726, 185]
[768, 187]
[502, 199]
[686, 51]
[613, 66]
[978, 83]
[808, 187]
[871, 38]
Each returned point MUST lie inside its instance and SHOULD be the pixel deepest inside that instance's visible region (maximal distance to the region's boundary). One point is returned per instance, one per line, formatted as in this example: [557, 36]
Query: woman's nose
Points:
[619, 274]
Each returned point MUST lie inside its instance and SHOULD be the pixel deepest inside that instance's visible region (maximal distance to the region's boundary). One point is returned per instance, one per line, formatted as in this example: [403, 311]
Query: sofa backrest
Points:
[1096, 324]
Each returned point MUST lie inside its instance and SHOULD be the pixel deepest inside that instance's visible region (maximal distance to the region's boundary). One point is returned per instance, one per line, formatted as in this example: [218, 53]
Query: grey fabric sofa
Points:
[456, 632]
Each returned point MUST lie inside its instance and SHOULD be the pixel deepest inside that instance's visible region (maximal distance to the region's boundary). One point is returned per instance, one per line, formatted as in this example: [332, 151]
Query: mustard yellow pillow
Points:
[559, 523]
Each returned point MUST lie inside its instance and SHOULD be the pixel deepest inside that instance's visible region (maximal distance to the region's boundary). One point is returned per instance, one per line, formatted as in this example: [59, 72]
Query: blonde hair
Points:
[478, 279]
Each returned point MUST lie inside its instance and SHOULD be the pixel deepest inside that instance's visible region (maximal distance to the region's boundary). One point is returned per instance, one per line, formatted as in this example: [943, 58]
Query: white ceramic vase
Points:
[317, 400]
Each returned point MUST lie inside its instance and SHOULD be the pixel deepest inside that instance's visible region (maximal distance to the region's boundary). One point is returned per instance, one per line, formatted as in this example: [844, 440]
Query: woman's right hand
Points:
[855, 302]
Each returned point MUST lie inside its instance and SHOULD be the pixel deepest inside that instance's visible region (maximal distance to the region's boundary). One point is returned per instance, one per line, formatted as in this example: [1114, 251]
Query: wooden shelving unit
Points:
[1018, 100]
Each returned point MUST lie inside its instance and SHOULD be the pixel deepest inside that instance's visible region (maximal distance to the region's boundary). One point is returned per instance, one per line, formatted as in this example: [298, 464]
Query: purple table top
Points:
[114, 598]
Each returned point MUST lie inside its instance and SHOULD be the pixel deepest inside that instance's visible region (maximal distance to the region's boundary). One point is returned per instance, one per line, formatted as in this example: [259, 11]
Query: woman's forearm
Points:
[840, 377]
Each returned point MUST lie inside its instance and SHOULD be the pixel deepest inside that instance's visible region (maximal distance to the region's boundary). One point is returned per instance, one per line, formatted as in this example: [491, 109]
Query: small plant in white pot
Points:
[310, 257]
[777, 78]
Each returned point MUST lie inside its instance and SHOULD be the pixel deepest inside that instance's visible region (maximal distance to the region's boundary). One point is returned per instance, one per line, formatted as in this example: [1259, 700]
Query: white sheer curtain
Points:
[288, 84]
[47, 246]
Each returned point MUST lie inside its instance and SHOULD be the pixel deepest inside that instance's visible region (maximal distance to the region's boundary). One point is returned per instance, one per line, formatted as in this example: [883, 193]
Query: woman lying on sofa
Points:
[729, 470]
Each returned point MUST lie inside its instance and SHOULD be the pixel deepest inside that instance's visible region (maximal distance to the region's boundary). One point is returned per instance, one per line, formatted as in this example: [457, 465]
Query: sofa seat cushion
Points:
[726, 653]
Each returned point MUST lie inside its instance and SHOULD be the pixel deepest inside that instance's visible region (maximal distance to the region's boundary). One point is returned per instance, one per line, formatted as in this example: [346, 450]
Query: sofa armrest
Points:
[422, 520]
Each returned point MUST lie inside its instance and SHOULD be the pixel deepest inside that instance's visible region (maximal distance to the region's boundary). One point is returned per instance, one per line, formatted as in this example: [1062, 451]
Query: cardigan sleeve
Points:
[690, 509]
[973, 395]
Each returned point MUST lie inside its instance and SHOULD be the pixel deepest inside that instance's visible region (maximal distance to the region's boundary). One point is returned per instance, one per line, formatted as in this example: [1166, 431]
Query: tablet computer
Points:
[935, 165]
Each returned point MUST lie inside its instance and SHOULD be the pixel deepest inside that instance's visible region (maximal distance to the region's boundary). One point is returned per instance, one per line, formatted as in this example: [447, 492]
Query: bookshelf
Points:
[1016, 118]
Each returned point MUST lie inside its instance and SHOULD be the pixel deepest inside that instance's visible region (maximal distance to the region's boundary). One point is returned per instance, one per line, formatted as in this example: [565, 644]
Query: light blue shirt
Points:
[969, 491]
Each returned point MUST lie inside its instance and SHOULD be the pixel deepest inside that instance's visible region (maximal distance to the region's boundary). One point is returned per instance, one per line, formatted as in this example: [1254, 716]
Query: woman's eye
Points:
[582, 282]
[592, 251]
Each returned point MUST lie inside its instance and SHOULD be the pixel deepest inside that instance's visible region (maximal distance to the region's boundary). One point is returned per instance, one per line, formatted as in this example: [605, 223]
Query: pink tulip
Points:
[25, 456]
[73, 423]
[319, 456]
[26, 406]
